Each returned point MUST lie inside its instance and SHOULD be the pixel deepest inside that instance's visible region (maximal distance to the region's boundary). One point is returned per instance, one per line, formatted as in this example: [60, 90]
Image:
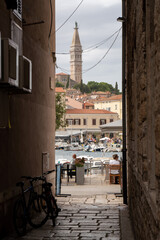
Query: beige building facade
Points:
[113, 104]
[27, 109]
[88, 119]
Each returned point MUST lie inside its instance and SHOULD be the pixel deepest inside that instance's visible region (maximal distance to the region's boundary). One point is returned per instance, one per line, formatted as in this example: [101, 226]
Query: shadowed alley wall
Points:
[143, 112]
[27, 121]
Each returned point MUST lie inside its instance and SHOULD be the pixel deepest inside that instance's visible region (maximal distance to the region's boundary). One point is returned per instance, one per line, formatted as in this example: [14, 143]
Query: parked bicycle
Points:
[31, 210]
[51, 209]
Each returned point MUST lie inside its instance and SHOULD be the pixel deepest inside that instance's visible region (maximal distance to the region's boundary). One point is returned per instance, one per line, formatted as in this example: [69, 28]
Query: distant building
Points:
[113, 104]
[100, 94]
[88, 105]
[60, 90]
[62, 78]
[76, 57]
[88, 119]
[72, 103]
[73, 93]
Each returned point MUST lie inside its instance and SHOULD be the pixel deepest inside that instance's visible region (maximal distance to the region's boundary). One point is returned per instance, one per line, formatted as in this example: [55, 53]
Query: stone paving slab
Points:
[84, 216]
[79, 224]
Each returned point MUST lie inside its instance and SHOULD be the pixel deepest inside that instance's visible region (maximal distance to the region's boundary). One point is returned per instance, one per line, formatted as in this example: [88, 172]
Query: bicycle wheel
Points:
[37, 211]
[19, 217]
[56, 209]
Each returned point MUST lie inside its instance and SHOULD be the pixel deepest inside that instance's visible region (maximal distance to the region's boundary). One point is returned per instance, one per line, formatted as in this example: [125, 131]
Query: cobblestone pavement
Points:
[84, 215]
[81, 218]
[81, 223]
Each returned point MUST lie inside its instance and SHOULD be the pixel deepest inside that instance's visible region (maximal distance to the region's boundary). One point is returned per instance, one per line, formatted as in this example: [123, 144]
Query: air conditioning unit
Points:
[25, 76]
[10, 63]
[18, 10]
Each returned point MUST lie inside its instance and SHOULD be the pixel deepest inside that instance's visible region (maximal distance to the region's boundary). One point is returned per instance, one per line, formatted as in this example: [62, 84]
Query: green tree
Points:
[67, 85]
[77, 86]
[58, 84]
[103, 87]
[84, 88]
[95, 87]
[116, 88]
[60, 111]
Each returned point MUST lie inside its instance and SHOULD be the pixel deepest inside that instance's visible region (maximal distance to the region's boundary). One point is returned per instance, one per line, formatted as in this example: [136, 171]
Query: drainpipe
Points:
[124, 165]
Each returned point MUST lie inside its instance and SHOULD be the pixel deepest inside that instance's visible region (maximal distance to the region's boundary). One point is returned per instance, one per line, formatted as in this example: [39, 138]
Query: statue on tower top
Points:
[76, 25]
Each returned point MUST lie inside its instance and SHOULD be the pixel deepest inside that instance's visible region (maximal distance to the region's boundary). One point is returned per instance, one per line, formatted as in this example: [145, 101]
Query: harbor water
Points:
[62, 154]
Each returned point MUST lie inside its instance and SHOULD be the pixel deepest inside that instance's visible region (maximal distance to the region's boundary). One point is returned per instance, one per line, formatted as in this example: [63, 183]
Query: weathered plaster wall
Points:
[32, 116]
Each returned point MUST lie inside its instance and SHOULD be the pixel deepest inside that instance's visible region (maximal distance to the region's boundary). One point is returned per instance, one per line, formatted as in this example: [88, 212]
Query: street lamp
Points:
[124, 167]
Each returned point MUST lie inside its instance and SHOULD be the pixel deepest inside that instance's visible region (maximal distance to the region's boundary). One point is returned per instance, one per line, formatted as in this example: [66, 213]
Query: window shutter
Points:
[93, 121]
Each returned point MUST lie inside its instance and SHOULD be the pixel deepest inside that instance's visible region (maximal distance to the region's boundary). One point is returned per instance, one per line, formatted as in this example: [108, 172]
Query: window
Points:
[102, 121]
[77, 122]
[116, 107]
[111, 120]
[84, 121]
[69, 121]
[109, 109]
[93, 121]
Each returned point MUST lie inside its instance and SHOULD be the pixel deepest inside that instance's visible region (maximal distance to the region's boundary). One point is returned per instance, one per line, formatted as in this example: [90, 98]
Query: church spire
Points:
[76, 39]
[76, 56]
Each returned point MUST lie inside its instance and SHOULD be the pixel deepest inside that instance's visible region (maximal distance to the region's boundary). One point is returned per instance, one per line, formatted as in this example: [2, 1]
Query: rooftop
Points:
[61, 74]
[88, 104]
[59, 90]
[115, 97]
[73, 103]
[88, 111]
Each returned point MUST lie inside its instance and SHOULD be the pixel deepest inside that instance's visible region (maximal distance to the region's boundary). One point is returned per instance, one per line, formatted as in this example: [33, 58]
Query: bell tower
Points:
[76, 57]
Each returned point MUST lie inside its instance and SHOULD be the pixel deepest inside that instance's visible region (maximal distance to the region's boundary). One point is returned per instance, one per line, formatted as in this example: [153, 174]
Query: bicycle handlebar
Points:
[39, 177]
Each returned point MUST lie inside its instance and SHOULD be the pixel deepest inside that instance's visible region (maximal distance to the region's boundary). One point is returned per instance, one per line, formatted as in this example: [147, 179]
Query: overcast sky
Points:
[97, 20]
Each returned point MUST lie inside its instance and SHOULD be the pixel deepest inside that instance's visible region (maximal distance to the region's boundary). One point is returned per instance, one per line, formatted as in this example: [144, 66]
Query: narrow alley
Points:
[96, 212]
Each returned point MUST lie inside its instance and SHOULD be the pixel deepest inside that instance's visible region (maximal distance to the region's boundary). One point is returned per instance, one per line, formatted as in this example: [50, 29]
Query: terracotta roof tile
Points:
[88, 104]
[73, 103]
[62, 74]
[59, 90]
[115, 97]
[104, 99]
[88, 111]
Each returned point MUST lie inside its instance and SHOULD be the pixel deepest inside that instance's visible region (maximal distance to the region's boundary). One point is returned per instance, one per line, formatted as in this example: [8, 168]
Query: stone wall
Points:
[143, 115]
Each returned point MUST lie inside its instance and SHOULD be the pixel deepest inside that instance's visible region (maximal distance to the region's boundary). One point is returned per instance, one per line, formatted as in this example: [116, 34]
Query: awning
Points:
[112, 127]
[67, 133]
